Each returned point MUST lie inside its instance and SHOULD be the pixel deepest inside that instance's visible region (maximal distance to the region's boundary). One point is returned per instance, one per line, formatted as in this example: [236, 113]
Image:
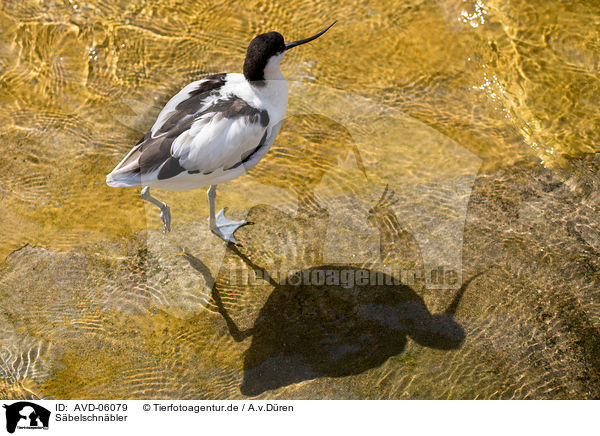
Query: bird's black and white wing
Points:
[202, 130]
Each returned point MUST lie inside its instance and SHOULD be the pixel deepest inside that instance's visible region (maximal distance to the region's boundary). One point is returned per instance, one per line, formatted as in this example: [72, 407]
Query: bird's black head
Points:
[260, 50]
[266, 47]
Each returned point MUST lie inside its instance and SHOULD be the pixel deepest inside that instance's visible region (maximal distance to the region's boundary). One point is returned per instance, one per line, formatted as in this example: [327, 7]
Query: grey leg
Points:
[165, 211]
[212, 194]
[219, 225]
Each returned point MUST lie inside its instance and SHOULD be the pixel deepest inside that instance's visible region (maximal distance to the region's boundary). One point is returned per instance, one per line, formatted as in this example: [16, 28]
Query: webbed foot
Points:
[225, 228]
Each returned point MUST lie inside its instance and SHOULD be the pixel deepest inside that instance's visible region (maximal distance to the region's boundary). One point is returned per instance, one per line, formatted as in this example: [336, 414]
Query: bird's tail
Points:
[123, 179]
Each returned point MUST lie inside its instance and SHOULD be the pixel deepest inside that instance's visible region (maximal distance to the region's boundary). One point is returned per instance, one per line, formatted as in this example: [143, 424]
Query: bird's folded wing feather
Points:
[200, 130]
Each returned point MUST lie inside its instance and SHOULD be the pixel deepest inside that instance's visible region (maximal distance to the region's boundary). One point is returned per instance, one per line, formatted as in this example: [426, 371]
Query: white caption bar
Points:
[251, 417]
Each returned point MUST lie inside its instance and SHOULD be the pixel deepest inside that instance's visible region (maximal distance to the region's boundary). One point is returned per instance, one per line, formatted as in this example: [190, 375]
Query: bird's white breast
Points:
[272, 96]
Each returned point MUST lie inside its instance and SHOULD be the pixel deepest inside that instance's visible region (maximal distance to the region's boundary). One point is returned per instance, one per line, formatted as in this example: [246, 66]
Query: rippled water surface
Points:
[437, 135]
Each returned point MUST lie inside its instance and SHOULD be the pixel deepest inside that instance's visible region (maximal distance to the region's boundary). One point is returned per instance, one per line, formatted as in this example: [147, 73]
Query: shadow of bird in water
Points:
[326, 320]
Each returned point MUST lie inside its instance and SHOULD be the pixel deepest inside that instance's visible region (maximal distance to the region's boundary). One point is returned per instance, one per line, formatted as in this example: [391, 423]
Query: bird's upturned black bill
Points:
[289, 45]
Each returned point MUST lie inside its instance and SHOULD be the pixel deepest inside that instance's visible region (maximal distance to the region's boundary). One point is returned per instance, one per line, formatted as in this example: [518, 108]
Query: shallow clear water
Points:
[421, 136]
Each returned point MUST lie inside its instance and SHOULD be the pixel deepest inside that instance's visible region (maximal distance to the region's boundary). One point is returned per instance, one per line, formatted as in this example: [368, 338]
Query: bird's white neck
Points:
[272, 92]
[272, 70]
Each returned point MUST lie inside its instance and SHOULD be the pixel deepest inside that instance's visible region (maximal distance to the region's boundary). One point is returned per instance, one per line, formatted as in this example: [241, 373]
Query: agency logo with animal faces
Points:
[26, 415]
